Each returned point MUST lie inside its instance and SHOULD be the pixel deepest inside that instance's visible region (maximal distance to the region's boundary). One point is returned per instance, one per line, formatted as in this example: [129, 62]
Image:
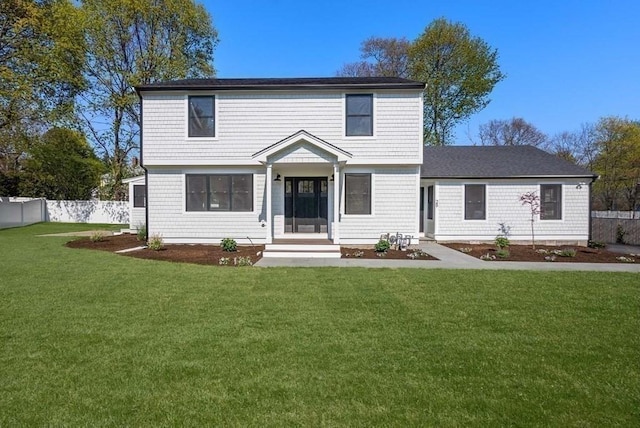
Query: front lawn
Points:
[92, 338]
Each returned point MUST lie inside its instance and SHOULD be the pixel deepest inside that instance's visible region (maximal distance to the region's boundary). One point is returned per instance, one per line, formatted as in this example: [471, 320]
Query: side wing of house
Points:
[137, 201]
[258, 162]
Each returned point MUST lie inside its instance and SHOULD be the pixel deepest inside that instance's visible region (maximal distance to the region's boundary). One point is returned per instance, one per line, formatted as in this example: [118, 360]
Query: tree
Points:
[533, 201]
[41, 56]
[579, 147]
[61, 166]
[514, 132]
[380, 57]
[460, 71]
[617, 163]
[135, 42]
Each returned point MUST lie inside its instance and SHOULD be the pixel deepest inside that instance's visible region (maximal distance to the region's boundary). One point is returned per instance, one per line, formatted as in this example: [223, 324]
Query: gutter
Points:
[590, 237]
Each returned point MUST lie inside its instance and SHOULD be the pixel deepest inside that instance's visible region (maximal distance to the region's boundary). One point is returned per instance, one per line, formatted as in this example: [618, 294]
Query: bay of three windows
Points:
[358, 115]
[475, 207]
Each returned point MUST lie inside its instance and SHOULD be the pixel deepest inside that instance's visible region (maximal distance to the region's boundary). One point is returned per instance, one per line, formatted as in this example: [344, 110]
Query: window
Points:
[474, 202]
[430, 202]
[139, 196]
[357, 193]
[550, 202]
[201, 116]
[359, 115]
[228, 192]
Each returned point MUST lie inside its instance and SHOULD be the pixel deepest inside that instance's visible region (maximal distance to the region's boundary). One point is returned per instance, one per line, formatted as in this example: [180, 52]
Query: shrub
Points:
[242, 261]
[382, 246]
[551, 258]
[155, 242]
[620, 233]
[596, 244]
[501, 242]
[465, 250]
[224, 261]
[502, 253]
[97, 236]
[141, 234]
[567, 252]
[487, 257]
[625, 259]
[229, 245]
[358, 254]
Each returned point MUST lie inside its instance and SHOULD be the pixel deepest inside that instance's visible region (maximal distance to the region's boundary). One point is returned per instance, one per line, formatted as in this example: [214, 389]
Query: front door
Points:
[305, 205]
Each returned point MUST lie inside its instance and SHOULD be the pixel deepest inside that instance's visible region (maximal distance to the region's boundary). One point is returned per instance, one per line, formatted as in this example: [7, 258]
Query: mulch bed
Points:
[391, 254]
[183, 253]
[524, 253]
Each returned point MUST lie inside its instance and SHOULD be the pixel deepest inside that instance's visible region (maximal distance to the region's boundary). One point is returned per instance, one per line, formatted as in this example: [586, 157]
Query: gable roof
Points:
[302, 136]
[306, 83]
[496, 162]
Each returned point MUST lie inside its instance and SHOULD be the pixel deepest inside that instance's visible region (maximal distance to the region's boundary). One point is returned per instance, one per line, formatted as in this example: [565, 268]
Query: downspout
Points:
[590, 238]
[146, 178]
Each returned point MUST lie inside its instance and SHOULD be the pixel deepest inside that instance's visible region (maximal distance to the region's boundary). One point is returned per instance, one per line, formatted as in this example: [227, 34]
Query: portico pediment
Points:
[302, 147]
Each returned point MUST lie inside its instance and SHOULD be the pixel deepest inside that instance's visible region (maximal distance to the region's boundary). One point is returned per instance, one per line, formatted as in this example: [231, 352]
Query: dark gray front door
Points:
[305, 205]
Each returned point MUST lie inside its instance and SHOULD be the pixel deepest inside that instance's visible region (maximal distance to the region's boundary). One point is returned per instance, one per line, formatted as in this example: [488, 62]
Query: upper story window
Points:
[474, 202]
[550, 202]
[202, 121]
[359, 111]
[139, 195]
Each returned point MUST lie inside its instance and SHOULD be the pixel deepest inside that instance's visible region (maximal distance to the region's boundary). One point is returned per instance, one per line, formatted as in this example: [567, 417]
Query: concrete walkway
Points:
[450, 259]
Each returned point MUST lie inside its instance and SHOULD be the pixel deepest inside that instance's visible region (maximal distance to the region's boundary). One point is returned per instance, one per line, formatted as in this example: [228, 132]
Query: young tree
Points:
[460, 71]
[533, 201]
[61, 166]
[380, 57]
[134, 42]
[513, 132]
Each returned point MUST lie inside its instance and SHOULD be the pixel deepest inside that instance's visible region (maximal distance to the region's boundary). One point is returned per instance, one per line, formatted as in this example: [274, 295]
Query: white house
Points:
[261, 160]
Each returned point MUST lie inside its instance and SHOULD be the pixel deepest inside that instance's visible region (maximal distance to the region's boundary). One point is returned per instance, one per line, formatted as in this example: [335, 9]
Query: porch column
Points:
[268, 184]
[336, 203]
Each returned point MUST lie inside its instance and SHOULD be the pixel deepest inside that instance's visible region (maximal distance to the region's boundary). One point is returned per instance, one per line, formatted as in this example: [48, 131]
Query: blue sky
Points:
[567, 62]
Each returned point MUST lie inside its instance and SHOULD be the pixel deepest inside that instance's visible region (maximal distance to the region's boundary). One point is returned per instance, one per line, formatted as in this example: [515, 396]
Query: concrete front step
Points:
[311, 251]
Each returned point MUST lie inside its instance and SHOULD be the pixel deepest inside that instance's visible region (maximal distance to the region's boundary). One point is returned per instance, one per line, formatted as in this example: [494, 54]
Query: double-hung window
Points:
[475, 207]
[357, 193]
[220, 192]
[139, 196]
[202, 121]
[550, 202]
[359, 115]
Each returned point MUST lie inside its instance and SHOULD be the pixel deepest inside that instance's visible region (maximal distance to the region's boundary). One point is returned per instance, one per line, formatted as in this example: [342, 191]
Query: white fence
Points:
[24, 211]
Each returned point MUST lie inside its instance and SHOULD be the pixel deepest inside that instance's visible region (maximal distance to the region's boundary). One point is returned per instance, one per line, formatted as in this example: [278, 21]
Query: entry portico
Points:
[302, 188]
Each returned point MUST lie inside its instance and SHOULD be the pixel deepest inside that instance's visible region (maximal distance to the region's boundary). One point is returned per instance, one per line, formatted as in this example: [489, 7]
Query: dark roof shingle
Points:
[309, 83]
[495, 162]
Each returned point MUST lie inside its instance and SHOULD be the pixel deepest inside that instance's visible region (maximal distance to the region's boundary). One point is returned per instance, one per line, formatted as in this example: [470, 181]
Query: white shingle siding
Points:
[168, 215]
[503, 206]
[394, 206]
[248, 122]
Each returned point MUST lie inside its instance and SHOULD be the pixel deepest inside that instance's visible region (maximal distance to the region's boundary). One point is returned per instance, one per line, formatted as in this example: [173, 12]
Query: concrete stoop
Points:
[309, 251]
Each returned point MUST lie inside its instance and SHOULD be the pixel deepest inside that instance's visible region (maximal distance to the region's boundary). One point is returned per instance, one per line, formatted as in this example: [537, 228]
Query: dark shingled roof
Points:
[495, 162]
[308, 83]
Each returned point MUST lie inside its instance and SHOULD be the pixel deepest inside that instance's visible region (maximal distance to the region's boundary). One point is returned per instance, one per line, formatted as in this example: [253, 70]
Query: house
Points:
[260, 160]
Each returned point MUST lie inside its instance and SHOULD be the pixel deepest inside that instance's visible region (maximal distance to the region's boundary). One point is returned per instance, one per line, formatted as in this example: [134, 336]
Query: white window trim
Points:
[216, 103]
[464, 202]
[562, 202]
[343, 194]
[375, 116]
[255, 175]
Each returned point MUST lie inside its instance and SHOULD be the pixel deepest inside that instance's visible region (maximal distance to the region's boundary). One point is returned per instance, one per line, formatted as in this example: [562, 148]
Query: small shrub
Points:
[568, 252]
[502, 253]
[620, 233]
[487, 257]
[625, 259]
[465, 250]
[242, 261]
[358, 254]
[542, 251]
[381, 254]
[501, 242]
[382, 246]
[224, 261]
[155, 242]
[551, 258]
[229, 245]
[141, 234]
[596, 244]
[416, 254]
[97, 236]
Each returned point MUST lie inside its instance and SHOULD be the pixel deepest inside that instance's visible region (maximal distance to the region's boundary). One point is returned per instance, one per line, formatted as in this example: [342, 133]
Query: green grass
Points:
[96, 339]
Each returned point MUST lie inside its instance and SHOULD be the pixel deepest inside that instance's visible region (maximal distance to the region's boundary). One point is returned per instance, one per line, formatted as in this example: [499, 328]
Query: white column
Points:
[336, 203]
[268, 184]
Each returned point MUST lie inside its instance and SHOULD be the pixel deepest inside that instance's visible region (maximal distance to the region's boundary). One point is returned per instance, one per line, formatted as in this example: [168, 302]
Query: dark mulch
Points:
[183, 253]
[391, 254]
[524, 253]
